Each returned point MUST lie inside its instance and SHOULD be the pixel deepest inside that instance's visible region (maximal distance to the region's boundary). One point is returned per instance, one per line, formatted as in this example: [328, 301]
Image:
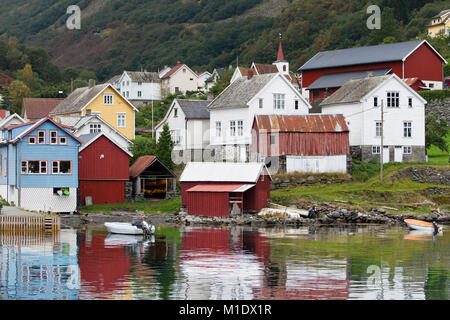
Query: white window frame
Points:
[393, 99]
[407, 150]
[261, 103]
[410, 102]
[407, 129]
[108, 99]
[376, 149]
[121, 122]
[218, 128]
[279, 101]
[375, 102]
[175, 136]
[240, 128]
[232, 128]
[377, 129]
[95, 127]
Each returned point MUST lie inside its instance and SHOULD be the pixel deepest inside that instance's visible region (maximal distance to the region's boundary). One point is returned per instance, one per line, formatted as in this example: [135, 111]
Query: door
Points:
[243, 154]
[398, 154]
[386, 157]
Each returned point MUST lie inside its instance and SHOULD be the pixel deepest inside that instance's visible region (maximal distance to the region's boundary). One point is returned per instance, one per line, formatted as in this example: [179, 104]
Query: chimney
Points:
[250, 74]
[60, 94]
[91, 83]
[178, 63]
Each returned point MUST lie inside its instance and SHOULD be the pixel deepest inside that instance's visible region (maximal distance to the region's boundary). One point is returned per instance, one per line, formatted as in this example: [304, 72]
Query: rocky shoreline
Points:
[326, 214]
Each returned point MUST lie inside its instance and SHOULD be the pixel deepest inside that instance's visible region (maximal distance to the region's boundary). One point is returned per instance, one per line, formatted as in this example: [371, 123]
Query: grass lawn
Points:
[148, 207]
[437, 156]
[404, 195]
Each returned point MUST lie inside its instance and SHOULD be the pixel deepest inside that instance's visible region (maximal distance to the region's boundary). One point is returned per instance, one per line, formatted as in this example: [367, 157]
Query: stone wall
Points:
[417, 154]
[292, 180]
[426, 175]
[440, 108]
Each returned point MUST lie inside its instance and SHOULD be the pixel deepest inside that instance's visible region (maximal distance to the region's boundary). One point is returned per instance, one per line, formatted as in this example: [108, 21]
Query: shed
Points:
[221, 188]
[151, 178]
[306, 143]
[103, 169]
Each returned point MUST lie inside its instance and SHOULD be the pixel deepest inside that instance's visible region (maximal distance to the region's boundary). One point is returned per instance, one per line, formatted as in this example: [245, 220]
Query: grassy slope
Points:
[437, 156]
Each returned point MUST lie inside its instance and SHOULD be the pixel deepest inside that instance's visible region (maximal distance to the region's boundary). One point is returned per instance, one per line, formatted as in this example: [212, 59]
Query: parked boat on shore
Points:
[137, 227]
[423, 225]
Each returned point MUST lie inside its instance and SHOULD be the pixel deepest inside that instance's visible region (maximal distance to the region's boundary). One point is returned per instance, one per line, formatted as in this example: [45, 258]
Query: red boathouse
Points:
[219, 189]
[103, 169]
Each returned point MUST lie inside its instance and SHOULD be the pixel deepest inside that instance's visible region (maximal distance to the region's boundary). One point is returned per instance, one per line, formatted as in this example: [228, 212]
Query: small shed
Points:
[151, 178]
[103, 169]
[305, 143]
[222, 189]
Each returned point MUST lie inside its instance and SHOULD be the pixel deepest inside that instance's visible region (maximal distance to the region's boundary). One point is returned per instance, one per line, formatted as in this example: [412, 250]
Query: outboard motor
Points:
[148, 229]
[436, 227]
[312, 213]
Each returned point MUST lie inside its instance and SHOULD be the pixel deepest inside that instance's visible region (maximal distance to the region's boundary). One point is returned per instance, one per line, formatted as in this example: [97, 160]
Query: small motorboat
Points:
[423, 225]
[137, 227]
[419, 235]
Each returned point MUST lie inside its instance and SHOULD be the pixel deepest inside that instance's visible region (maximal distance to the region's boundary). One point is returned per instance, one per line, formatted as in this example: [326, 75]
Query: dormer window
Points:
[53, 137]
[108, 99]
[41, 136]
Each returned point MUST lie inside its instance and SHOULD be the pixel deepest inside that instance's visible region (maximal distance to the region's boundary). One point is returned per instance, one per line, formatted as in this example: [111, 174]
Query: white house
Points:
[10, 120]
[179, 79]
[188, 122]
[202, 78]
[93, 124]
[360, 102]
[140, 88]
[233, 111]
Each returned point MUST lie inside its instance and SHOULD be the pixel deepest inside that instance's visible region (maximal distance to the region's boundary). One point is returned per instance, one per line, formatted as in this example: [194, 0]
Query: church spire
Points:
[280, 56]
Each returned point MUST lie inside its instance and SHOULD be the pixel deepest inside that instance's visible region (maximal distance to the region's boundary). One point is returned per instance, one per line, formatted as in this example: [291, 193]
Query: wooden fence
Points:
[30, 223]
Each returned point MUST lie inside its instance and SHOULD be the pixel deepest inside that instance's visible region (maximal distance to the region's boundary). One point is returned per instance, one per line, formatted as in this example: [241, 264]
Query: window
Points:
[108, 99]
[378, 129]
[315, 93]
[393, 99]
[176, 138]
[407, 150]
[95, 127]
[53, 137]
[375, 101]
[31, 140]
[296, 104]
[272, 139]
[410, 102]
[261, 103]
[218, 129]
[232, 128]
[184, 70]
[278, 101]
[376, 150]
[62, 167]
[175, 113]
[240, 128]
[41, 136]
[34, 167]
[62, 140]
[139, 93]
[407, 129]
[139, 83]
[121, 120]
[177, 89]
[431, 85]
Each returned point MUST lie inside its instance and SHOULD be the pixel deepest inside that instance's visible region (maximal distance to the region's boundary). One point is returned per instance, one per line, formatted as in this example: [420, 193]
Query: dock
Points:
[30, 223]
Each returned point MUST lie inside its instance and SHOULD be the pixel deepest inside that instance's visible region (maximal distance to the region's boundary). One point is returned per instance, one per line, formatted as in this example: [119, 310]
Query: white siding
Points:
[317, 164]
[43, 199]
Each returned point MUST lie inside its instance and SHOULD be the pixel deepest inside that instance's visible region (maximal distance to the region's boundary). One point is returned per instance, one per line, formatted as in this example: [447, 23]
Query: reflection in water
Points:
[226, 263]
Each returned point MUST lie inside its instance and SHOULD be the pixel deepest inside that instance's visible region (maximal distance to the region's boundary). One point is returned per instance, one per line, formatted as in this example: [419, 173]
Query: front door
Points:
[386, 157]
[398, 154]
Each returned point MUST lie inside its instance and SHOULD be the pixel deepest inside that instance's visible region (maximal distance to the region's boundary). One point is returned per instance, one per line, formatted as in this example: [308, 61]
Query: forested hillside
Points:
[134, 34]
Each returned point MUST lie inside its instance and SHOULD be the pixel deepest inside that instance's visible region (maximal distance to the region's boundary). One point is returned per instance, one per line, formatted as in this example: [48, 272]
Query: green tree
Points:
[164, 147]
[435, 132]
[142, 146]
[18, 90]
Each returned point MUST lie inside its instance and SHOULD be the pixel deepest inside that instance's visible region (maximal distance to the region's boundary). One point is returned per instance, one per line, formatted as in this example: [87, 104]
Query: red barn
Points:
[103, 169]
[219, 188]
[306, 143]
[411, 59]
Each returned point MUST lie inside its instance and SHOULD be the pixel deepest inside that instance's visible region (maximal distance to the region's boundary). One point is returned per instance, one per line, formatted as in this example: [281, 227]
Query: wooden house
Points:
[39, 166]
[103, 169]
[224, 188]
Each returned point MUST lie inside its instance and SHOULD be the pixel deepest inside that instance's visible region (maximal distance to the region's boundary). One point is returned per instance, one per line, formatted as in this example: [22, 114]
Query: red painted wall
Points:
[102, 191]
[309, 76]
[424, 64]
[114, 166]
[323, 93]
[209, 204]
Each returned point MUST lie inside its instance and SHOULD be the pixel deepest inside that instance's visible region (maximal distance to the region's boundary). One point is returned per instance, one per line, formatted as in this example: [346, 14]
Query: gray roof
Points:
[194, 109]
[440, 14]
[114, 79]
[354, 90]
[361, 55]
[88, 137]
[336, 80]
[241, 91]
[78, 99]
[143, 76]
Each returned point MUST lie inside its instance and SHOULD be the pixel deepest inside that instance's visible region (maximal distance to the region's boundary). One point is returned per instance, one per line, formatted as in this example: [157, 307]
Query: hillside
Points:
[117, 35]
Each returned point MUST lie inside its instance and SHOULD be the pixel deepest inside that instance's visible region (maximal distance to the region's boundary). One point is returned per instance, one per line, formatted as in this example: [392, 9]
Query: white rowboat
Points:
[128, 228]
[422, 225]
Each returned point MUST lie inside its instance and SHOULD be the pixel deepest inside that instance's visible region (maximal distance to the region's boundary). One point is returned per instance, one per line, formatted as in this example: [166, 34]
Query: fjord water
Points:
[375, 262]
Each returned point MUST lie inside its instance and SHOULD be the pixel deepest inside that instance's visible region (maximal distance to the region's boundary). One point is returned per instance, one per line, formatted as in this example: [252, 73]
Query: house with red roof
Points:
[38, 108]
[179, 79]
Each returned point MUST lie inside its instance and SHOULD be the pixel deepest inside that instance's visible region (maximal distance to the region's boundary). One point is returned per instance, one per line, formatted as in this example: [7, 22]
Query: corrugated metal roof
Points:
[302, 123]
[221, 188]
[335, 80]
[354, 90]
[140, 165]
[223, 172]
[38, 108]
[361, 55]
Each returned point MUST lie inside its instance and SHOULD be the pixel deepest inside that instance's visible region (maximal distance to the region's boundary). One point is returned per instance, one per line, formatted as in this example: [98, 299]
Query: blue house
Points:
[39, 166]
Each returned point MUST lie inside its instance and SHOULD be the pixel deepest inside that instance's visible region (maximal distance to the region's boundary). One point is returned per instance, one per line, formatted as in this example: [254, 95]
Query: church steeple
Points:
[281, 64]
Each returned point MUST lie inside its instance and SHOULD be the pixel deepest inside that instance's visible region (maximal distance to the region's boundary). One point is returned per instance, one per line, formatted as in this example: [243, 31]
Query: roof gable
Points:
[90, 138]
[142, 163]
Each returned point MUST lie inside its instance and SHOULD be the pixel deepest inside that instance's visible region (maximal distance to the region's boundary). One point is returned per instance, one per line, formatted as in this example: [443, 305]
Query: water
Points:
[374, 262]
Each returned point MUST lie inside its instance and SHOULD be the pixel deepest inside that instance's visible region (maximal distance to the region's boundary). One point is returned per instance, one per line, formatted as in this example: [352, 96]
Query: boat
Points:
[423, 225]
[136, 228]
[420, 235]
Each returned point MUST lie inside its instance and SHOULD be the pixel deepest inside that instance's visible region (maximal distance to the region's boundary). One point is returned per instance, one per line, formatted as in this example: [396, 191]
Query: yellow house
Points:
[440, 24]
[103, 100]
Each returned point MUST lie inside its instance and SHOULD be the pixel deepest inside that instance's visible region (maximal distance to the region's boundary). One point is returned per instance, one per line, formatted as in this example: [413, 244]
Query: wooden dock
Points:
[30, 223]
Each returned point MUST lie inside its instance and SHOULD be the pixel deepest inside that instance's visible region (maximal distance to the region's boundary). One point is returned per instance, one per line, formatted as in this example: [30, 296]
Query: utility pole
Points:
[381, 147]
[153, 128]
